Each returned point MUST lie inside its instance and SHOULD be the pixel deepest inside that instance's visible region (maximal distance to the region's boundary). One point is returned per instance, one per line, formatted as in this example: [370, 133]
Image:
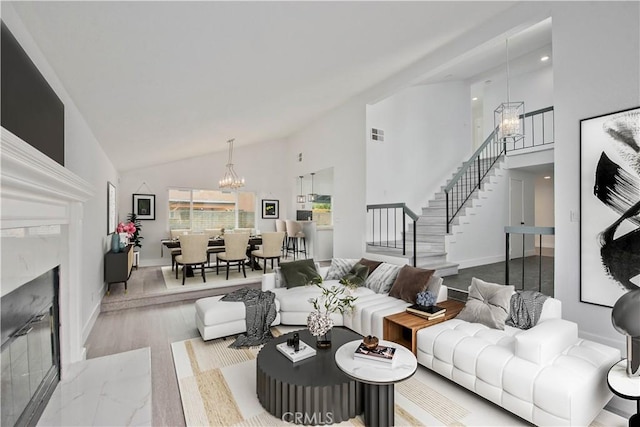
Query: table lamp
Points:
[626, 319]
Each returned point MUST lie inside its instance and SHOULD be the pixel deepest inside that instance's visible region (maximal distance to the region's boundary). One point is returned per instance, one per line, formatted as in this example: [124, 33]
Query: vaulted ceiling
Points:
[159, 81]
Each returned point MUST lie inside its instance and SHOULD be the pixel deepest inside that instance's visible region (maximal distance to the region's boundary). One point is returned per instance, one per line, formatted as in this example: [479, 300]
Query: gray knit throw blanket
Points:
[526, 307]
[261, 312]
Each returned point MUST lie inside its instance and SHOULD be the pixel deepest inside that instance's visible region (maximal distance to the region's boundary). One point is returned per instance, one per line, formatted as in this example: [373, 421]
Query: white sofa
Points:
[368, 313]
[546, 374]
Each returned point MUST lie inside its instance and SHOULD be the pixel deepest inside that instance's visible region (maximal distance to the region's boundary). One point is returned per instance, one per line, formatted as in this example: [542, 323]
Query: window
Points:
[202, 209]
[322, 210]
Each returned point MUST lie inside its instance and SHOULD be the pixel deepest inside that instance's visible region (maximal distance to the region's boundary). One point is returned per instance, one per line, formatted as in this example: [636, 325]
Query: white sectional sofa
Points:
[546, 374]
[366, 318]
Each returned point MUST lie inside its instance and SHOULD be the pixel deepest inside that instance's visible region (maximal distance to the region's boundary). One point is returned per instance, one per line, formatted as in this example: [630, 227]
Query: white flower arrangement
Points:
[333, 299]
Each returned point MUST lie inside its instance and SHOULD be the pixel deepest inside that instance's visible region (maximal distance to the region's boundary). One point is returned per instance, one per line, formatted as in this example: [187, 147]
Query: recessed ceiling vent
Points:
[377, 134]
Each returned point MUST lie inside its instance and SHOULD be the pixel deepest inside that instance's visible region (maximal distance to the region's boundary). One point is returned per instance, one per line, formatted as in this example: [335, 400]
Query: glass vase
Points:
[324, 341]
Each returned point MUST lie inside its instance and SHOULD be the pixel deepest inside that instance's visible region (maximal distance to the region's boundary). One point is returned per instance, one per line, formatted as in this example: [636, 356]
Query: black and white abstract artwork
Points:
[609, 206]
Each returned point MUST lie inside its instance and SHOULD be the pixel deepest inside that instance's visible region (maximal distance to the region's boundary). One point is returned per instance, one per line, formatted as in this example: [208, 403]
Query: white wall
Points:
[84, 157]
[337, 140]
[544, 207]
[596, 56]
[427, 135]
[263, 166]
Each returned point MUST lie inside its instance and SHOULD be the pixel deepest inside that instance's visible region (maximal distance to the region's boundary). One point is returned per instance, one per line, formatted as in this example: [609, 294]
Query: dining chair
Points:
[271, 248]
[194, 252]
[281, 226]
[235, 251]
[294, 235]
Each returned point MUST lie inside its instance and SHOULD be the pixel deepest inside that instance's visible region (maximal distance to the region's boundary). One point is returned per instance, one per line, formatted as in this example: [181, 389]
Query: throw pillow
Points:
[488, 304]
[370, 263]
[299, 273]
[409, 282]
[434, 284]
[339, 267]
[356, 276]
[381, 280]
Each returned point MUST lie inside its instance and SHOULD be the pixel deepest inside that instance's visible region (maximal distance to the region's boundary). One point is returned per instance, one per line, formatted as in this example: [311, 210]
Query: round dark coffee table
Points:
[311, 391]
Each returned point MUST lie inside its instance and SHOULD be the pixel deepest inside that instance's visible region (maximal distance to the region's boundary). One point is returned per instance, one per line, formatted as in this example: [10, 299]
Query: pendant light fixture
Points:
[508, 118]
[311, 197]
[230, 180]
[301, 196]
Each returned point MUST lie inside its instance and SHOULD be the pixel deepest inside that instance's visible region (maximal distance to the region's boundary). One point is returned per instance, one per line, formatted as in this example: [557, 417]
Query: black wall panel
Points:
[29, 107]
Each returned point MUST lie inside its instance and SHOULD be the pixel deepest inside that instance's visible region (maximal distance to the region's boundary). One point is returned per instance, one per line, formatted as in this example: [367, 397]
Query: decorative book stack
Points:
[380, 353]
[305, 351]
[428, 312]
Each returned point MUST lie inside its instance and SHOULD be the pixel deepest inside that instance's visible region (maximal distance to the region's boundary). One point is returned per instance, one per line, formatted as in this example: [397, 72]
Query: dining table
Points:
[254, 242]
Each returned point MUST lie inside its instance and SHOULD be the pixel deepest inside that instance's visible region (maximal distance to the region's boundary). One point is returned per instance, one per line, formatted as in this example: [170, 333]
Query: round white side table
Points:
[378, 378]
[626, 387]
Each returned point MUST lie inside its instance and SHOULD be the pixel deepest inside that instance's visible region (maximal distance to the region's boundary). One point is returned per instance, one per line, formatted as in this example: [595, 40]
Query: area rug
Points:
[217, 388]
[213, 280]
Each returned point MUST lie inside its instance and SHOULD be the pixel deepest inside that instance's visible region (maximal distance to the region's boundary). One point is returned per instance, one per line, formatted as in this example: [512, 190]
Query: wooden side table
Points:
[402, 328]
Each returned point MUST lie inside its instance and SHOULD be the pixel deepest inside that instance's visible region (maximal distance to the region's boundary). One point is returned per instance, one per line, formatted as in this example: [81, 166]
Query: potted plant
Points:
[135, 236]
[333, 299]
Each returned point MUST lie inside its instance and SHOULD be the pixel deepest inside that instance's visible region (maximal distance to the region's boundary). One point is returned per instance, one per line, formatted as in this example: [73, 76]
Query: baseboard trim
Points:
[479, 261]
[91, 322]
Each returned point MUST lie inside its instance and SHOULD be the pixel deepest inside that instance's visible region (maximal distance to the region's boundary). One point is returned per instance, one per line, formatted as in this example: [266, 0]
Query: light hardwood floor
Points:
[155, 327]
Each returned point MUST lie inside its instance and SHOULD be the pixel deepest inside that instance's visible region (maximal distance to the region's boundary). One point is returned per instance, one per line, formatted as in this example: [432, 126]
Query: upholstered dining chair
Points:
[235, 251]
[294, 235]
[175, 235]
[281, 226]
[194, 252]
[271, 248]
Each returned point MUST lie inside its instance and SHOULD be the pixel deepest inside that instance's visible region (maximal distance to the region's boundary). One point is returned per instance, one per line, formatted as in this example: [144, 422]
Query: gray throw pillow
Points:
[488, 304]
[382, 278]
[356, 276]
[300, 273]
[339, 267]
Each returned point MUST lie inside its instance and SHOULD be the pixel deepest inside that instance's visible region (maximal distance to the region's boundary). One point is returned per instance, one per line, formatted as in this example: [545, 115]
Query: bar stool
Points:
[281, 227]
[294, 235]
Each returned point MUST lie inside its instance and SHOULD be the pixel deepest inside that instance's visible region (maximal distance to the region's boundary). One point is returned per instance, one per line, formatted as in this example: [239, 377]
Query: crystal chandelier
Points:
[311, 197]
[301, 196]
[230, 180]
[508, 118]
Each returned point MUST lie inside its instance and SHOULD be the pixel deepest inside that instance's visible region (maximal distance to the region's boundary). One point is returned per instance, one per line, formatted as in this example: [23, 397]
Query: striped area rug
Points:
[218, 388]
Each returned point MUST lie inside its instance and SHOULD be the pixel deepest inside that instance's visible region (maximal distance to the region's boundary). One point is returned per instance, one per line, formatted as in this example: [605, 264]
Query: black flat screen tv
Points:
[30, 108]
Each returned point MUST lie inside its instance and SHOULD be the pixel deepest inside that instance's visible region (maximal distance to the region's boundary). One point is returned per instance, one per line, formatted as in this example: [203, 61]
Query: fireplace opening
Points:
[30, 352]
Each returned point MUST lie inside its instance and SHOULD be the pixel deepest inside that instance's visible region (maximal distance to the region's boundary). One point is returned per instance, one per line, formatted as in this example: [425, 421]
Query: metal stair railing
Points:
[468, 179]
[392, 221]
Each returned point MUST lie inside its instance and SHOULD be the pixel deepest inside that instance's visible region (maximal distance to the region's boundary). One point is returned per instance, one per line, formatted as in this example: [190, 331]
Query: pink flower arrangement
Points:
[128, 228]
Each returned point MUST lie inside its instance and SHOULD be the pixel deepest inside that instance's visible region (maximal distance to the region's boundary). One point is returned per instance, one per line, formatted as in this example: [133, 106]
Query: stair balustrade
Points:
[388, 238]
[469, 177]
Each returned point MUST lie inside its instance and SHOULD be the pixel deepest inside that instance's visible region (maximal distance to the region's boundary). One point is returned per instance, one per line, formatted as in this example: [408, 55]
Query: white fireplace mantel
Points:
[39, 196]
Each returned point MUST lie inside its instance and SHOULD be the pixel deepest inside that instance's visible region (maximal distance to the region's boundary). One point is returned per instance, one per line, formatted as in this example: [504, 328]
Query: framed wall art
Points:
[270, 209]
[144, 206]
[609, 206]
[112, 212]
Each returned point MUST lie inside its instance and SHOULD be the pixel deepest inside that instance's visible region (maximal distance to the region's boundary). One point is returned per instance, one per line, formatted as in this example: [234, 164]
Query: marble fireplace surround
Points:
[41, 219]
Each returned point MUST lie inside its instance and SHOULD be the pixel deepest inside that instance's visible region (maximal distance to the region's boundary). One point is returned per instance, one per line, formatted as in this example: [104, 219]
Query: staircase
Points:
[450, 205]
[431, 228]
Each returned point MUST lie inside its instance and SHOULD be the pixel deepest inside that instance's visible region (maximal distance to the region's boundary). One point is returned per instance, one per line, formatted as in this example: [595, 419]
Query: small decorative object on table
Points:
[425, 298]
[428, 312]
[379, 353]
[626, 319]
[115, 243]
[370, 341]
[296, 350]
[333, 299]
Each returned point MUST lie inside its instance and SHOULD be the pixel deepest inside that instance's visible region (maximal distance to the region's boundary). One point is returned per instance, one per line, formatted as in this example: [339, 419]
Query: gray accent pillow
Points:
[300, 273]
[488, 304]
[339, 267]
[382, 278]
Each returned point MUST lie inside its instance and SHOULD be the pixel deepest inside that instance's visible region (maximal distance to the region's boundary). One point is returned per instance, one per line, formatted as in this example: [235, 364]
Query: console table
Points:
[117, 267]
